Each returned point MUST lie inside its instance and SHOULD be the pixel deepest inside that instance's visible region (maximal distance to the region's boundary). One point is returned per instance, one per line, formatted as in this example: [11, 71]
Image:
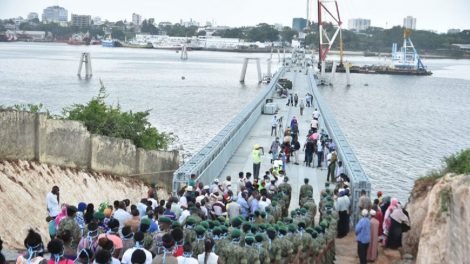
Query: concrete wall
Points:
[31, 136]
[17, 135]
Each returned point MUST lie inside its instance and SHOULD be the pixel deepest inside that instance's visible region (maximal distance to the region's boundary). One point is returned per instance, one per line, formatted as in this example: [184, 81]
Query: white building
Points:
[97, 21]
[33, 15]
[358, 24]
[55, 14]
[136, 19]
[409, 22]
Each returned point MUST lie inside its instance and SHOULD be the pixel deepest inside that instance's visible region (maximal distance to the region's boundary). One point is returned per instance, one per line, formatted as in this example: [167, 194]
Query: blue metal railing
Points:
[210, 161]
[359, 180]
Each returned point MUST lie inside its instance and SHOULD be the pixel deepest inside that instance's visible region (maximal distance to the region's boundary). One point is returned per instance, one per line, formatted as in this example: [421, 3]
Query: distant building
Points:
[136, 19]
[33, 15]
[298, 24]
[164, 24]
[453, 31]
[55, 14]
[409, 22]
[358, 24]
[97, 21]
[190, 23]
[81, 21]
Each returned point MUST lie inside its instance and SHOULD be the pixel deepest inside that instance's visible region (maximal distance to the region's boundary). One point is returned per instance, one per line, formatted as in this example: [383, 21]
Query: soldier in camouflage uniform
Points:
[69, 223]
[296, 240]
[306, 191]
[262, 248]
[287, 247]
[251, 252]
[234, 252]
[148, 237]
[198, 244]
[286, 190]
[157, 246]
[269, 216]
[189, 233]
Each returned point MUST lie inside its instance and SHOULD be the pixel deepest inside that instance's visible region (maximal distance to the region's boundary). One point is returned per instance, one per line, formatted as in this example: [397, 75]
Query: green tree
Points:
[148, 27]
[287, 34]
[107, 120]
[263, 32]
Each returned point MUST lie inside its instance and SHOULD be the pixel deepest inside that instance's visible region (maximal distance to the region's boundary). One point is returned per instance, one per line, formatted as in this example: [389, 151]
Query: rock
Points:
[407, 256]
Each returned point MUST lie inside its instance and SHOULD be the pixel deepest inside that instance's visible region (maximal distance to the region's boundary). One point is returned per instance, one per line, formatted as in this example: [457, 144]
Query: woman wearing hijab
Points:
[387, 220]
[397, 219]
[61, 215]
[34, 250]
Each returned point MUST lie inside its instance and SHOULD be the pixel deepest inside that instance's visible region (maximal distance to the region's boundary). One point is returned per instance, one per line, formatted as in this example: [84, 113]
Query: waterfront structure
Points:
[55, 14]
[358, 24]
[33, 15]
[299, 23]
[409, 22]
[81, 20]
[136, 19]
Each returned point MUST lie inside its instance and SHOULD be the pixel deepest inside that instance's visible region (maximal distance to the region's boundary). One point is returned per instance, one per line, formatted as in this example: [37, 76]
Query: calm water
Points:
[194, 109]
[400, 127]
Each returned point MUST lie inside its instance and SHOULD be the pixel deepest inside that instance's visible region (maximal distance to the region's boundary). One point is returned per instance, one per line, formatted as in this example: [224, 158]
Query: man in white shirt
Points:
[316, 114]
[121, 215]
[184, 214]
[52, 201]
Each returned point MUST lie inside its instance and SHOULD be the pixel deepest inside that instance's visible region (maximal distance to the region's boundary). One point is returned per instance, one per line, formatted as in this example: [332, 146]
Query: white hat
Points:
[189, 188]
[372, 212]
[364, 212]
[206, 187]
[216, 180]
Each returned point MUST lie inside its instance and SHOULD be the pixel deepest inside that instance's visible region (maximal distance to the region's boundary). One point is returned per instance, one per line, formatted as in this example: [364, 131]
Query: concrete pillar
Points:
[140, 161]
[348, 79]
[184, 53]
[85, 59]
[323, 68]
[245, 65]
[258, 65]
[40, 137]
[333, 72]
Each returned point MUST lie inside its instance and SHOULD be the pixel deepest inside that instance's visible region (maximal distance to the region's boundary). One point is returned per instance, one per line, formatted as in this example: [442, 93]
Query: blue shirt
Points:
[254, 206]
[363, 230]
[244, 206]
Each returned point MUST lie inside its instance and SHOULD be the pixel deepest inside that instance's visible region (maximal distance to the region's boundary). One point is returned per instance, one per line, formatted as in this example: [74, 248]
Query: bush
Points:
[107, 120]
[458, 163]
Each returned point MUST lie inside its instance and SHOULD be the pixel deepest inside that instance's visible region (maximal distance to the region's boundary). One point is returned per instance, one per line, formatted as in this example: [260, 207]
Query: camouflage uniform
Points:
[234, 252]
[198, 244]
[286, 189]
[71, 225]
[251, 252]
[306, 191]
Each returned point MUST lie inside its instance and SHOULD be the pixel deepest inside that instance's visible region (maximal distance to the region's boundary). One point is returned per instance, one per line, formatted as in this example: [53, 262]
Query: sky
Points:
[435, 15]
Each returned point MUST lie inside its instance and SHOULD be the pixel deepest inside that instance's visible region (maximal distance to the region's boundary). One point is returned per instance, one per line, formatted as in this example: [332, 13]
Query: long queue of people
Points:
[202, 224]
[317, 144]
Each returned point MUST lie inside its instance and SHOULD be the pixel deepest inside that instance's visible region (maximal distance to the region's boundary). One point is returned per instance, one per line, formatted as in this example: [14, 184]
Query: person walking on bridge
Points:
[274, 126]
[256, 156]
[301, 106]
[306, 191]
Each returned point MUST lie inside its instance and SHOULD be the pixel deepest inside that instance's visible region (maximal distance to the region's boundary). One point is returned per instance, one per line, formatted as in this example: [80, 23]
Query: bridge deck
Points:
[261, 134]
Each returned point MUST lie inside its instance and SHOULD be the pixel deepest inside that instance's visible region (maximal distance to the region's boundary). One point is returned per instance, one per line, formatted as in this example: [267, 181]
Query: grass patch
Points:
[446, 199]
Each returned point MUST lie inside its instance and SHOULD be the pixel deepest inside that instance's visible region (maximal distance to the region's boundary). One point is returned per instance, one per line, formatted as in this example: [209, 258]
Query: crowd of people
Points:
[382, 222]
[317, 144]
[243, 221]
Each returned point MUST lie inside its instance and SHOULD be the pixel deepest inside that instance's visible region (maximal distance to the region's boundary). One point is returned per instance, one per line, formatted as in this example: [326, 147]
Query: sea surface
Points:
[400, 127]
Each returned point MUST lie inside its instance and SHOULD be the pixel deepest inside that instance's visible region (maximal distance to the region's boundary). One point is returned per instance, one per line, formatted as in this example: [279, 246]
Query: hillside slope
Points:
[23, 189]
